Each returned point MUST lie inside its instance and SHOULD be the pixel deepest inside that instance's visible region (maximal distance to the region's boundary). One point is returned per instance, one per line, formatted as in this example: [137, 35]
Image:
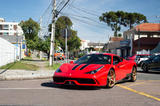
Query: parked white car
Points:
[140, 58]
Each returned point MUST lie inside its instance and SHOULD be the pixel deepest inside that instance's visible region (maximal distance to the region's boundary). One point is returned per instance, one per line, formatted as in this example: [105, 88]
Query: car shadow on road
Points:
[68, 87]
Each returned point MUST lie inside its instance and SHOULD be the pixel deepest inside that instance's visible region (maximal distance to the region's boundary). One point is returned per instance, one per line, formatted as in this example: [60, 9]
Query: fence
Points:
[8, 52]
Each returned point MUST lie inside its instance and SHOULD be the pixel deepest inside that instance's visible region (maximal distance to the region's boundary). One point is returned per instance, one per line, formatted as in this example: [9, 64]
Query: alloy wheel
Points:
[111, 79]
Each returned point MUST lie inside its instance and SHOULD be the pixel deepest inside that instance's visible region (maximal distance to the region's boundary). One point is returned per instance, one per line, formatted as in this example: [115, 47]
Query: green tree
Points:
[114, 20]
[120, 18]
[30, 29]
[62, 23]
[45, 45]
[74, 41]
[119, 35]
[134, 18]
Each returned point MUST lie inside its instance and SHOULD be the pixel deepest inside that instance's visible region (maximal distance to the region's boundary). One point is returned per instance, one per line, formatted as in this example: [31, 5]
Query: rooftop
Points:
[96, 44]
[12, 39]
[149, 27]
[114, 39]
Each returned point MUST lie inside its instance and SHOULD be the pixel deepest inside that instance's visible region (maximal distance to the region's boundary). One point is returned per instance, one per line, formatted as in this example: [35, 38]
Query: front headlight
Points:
[95, 71]
[58, 70]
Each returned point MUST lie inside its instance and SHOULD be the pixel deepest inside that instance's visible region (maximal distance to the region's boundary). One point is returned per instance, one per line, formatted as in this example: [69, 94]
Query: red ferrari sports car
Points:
[95, 70]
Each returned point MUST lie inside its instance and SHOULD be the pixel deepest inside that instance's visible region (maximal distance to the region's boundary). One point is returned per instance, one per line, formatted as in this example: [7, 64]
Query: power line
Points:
[59, 4]
[62, 7]
[45, 12]
[71, 2]
[86, 22]
[84, 10]
[84, 17]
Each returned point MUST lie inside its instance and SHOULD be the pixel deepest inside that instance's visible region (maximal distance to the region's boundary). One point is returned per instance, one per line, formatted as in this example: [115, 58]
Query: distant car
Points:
[59, 55]
[151, 63]
[140, 58]
[137, 57]
[95, 70]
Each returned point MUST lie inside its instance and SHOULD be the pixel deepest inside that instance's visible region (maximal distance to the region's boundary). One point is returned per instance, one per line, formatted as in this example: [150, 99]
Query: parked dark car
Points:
[152, 63]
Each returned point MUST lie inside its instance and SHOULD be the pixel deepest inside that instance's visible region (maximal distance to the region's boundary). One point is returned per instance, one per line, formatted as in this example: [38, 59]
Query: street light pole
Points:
[51, 59]
[139, 42]
[66, 47]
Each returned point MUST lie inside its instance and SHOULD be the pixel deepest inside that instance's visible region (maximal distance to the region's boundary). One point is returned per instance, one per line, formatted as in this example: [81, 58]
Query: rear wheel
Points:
[134, 74]
[111, 79]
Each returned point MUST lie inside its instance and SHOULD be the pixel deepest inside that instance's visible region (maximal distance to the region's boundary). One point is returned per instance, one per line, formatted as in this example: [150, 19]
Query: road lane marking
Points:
[134, 84]
[138, 92]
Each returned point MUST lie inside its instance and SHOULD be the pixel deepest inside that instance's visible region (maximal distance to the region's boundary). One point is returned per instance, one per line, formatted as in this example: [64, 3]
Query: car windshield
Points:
[94, 59]
[153, 56]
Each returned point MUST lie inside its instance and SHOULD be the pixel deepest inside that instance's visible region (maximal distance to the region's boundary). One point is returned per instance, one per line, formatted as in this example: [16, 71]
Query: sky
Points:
[83, 13]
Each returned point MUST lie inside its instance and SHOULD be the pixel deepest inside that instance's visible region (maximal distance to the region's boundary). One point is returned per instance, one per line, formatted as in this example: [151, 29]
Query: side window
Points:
[116, 60]
[156, 59]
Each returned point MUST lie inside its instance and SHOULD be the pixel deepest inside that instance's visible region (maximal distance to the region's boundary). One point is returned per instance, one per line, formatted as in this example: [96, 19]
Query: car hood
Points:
[79, 68]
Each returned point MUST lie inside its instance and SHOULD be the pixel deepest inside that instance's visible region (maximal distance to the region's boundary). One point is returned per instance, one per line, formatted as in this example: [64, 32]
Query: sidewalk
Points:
[41, 73]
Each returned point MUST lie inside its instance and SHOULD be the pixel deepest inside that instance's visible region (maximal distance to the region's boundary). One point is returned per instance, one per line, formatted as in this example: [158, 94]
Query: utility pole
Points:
[139, 42]
[66, 47]
[51, 59]
[99, 46]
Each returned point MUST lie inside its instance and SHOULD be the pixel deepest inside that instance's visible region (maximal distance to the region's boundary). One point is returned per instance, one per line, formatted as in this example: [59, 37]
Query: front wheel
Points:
[134, 74]
[111, 79]
[145, 67]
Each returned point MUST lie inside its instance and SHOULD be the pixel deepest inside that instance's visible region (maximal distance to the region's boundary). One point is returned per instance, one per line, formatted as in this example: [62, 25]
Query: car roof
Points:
[143, 54]
[104, 54]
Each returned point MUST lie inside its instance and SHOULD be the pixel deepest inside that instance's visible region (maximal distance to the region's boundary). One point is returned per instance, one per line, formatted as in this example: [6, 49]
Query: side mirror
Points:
[71, 62]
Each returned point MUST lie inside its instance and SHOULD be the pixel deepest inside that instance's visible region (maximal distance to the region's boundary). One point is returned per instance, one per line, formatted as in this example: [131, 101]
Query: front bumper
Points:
[81, 80]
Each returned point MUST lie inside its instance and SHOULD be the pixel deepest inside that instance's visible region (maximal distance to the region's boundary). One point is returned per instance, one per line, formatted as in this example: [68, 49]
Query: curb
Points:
[19, 77]
[25, 75]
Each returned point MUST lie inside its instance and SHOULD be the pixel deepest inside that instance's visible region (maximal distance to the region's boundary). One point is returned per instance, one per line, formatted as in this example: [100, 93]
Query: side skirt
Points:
[125, 78]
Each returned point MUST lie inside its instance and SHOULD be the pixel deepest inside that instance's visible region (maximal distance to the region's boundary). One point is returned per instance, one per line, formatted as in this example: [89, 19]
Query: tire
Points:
[140, 64]
[145, 67]
[111, 79]
[133, 76]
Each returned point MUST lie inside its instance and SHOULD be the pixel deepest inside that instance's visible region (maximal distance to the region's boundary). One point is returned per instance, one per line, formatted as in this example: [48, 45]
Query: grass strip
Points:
[20, 66]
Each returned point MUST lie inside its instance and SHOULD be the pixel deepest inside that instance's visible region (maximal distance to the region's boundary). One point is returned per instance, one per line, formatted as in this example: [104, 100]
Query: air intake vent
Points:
[75, 67]
[84, 67]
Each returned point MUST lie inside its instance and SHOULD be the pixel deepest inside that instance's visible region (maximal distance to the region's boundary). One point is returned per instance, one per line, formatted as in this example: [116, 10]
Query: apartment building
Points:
[10, 28]
[13, 33]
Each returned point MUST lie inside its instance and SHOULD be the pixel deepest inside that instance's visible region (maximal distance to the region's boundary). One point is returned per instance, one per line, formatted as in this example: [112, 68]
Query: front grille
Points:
[79, 80]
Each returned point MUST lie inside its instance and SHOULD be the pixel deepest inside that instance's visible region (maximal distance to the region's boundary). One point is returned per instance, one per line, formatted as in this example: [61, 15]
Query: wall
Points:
[7, 52]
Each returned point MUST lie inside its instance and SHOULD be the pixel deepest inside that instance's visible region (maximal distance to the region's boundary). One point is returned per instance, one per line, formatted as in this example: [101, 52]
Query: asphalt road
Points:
[144, 92]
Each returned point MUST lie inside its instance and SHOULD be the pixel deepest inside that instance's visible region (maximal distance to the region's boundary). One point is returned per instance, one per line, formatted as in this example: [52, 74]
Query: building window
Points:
[5, 33]
[1, 27]
[5, 27]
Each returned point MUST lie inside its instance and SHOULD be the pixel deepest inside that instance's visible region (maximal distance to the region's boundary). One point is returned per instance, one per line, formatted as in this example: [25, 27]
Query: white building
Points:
[10, 28]
[84, 44]
[13, 33]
